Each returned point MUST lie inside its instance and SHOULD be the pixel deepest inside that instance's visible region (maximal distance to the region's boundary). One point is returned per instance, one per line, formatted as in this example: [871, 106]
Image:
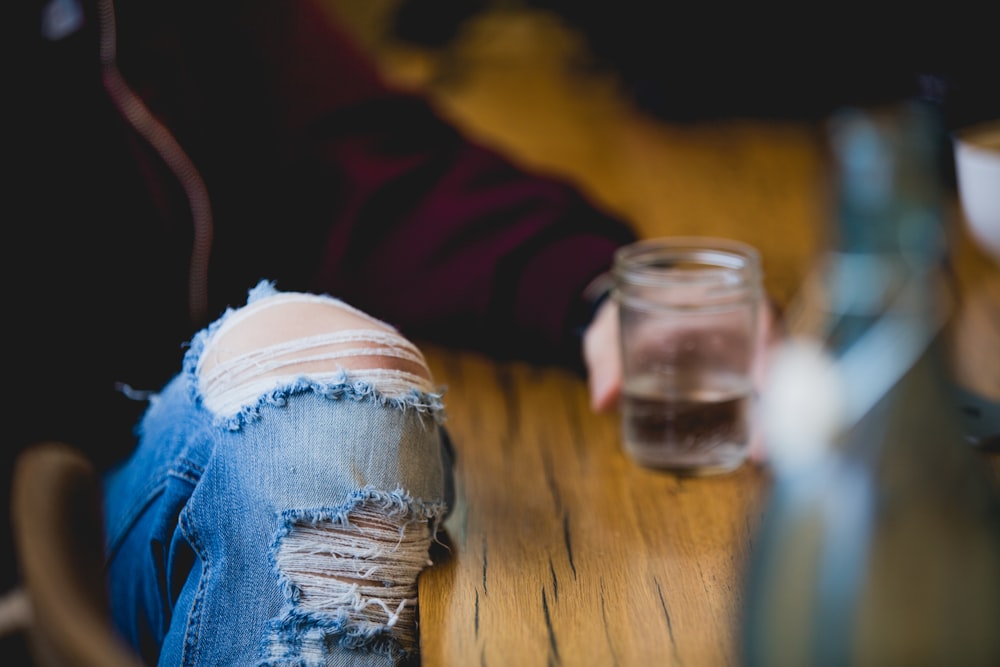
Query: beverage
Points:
[688, 311]
[696, 425]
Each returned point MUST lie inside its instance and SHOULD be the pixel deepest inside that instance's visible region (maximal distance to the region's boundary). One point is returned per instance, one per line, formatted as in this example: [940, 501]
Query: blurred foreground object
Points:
[59, 534]
[881, 541]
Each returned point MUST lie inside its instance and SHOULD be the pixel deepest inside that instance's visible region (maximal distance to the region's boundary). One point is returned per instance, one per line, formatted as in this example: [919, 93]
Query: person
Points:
[228, 231]
[284, 494]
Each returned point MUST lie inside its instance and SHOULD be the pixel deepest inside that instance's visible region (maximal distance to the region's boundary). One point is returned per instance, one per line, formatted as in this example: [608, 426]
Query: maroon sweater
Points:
[318, 176]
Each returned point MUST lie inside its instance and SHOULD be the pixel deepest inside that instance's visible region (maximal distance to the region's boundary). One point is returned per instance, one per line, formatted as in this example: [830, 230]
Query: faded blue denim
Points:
[199, 518]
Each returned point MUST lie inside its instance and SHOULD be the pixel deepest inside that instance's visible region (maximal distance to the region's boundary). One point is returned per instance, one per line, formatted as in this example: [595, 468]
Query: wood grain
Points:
[561, 551]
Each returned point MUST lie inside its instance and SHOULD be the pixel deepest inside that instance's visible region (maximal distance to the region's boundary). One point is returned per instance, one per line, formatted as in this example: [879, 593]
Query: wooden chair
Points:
[58, 533]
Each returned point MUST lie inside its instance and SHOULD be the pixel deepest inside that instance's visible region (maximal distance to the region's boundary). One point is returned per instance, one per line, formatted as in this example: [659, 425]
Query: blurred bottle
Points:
[880, 544]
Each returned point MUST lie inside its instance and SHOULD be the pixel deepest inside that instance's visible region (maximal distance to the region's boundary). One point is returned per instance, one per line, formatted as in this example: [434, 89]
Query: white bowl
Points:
[977, 169]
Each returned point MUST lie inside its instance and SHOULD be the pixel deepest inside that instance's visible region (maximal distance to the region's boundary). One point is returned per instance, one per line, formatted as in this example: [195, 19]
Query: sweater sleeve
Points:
[447, 239]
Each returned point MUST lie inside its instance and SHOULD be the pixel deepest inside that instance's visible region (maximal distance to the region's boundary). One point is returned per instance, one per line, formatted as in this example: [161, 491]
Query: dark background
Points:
[709, 60]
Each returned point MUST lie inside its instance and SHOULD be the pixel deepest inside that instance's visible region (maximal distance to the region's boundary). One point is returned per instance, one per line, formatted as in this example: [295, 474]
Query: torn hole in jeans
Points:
[352, 579]
[254, 352]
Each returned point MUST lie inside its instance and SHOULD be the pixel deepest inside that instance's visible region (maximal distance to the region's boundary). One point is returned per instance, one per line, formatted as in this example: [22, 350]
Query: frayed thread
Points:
[384, 387]
[343, 387]
[349, 575]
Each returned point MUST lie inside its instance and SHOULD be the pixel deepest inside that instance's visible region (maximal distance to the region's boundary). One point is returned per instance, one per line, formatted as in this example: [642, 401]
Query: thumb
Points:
[602, 357]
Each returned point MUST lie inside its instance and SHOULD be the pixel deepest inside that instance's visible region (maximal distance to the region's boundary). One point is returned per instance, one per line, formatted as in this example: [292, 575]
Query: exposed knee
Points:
[291, 335]
[350, 574]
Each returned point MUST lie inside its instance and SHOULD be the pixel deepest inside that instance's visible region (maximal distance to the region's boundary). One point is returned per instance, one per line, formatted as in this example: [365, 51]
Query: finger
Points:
[602, 357]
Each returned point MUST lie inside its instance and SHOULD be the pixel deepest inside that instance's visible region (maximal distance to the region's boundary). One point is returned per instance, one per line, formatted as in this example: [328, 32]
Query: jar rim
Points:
[648, 261]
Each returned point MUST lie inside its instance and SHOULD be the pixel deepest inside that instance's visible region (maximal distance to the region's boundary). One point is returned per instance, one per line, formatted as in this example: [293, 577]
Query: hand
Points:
[602, 357]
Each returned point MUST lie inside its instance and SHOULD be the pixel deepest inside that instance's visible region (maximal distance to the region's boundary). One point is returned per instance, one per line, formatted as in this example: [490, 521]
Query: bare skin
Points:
[290, 321]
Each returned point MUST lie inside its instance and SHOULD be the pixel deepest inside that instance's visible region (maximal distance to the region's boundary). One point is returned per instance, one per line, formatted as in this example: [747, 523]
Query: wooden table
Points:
[560, 550]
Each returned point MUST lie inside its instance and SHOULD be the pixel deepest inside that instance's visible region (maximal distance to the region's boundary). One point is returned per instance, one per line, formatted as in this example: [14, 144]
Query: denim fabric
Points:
[226, 531]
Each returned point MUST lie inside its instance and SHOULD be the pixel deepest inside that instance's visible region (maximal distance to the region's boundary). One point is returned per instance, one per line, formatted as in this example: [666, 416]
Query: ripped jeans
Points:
[284, 494]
